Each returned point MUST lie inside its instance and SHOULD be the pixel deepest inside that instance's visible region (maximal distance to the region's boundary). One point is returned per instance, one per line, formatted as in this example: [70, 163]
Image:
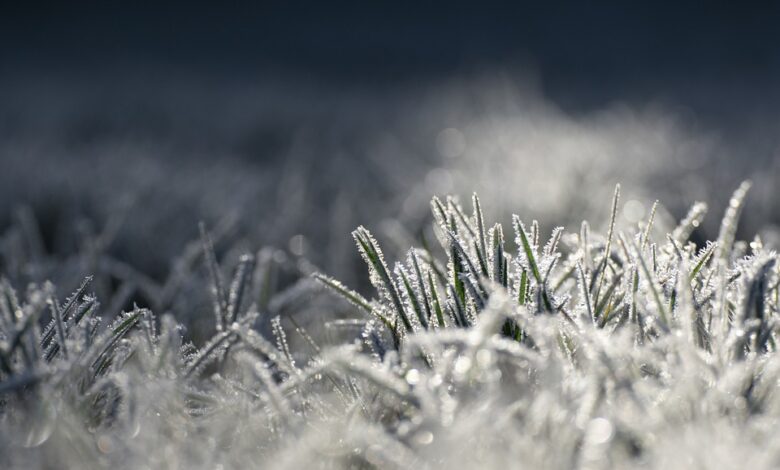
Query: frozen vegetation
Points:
[483, 347]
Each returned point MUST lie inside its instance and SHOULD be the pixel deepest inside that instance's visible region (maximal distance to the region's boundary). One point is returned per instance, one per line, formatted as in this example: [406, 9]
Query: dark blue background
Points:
[587, 52]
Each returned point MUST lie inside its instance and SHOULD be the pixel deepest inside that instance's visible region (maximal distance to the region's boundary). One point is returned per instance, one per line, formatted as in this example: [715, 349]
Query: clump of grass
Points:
[541, 279]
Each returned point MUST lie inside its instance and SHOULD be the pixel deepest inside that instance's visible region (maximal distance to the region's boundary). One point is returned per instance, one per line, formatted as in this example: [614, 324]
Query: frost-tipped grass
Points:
[589, 350]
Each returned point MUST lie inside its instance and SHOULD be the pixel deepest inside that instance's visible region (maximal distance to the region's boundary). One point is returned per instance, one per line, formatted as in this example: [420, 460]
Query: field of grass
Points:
[622, 344]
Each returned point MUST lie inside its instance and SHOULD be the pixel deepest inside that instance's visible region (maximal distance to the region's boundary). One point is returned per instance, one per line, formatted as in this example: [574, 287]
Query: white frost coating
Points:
[563, 358]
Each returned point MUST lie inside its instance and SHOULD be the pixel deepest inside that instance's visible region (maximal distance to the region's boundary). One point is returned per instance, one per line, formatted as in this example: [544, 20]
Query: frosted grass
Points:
[631, 347]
